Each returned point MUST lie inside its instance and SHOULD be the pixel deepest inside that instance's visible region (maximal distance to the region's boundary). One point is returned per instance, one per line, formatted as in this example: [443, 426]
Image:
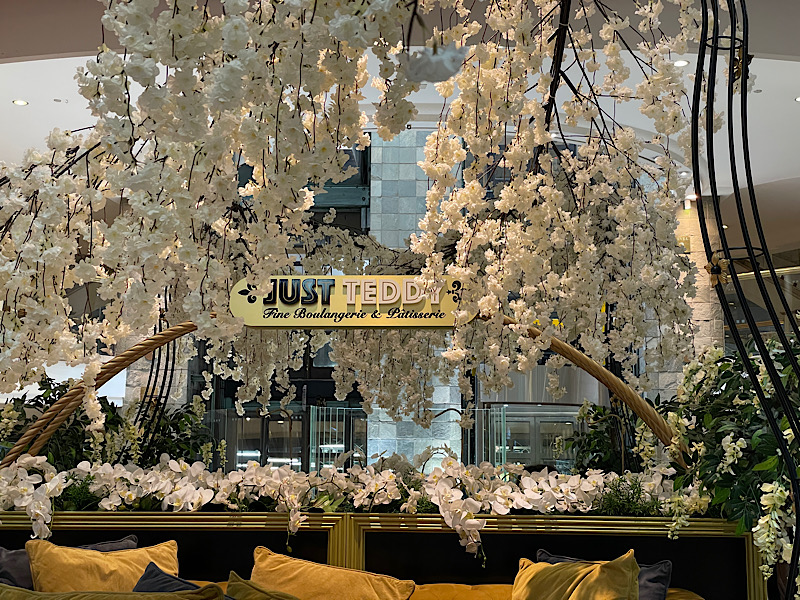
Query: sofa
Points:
[120, 568]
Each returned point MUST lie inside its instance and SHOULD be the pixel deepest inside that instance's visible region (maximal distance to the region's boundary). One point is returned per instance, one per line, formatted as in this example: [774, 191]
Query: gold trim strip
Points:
[654, 526]
[164, 520]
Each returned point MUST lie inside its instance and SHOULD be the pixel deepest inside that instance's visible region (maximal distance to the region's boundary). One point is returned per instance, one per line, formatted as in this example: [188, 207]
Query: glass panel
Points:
[323, 357]
[250, 441]
[518, 441]
[286, 442]
[359, 445]
[548, 443]
[332, 436]
[335, 430]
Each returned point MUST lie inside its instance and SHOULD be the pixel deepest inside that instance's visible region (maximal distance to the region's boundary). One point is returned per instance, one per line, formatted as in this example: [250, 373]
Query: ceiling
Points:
[40, 50]
[58, 28]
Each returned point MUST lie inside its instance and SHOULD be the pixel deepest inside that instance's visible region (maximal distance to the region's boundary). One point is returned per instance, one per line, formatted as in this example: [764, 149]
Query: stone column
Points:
[707, 318]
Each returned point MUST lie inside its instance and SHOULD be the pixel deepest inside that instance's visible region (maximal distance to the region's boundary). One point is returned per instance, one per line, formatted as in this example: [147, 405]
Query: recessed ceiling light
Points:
[681, 63]
[757, 91]
[684, 173]
[20, 102]
[724, 226]
[796, 99]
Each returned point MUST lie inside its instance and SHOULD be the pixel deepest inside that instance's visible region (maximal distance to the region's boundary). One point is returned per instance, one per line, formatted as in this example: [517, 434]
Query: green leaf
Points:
[720, 495]
[767, 465]
[707, 420]
[740, 527]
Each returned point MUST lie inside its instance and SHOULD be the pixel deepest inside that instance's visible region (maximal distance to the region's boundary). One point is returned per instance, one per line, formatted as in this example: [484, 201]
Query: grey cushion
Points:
[15, 569]
[653, 579]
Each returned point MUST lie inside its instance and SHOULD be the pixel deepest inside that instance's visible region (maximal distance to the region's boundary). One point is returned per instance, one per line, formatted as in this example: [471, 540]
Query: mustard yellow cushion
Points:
[457, 591]
[62, 569]
[614, 580]
[679, 594]
[211, 592]
[313, 581]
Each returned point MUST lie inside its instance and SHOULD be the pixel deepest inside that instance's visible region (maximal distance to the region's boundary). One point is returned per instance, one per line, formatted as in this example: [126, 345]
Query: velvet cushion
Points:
[222, 584]
[313, 581]
[679, 594]
[15, 568]
[211, 592]
[242, 589]
[155, 580]
[61, 569]
[653, 579]
[457, 591]
[613, 580]
[499, 591]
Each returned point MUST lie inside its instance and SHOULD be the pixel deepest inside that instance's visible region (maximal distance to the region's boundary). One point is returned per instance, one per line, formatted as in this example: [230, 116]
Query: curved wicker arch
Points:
[37, 435]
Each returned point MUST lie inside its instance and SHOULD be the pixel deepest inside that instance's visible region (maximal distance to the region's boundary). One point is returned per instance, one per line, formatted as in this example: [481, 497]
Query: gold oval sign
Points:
[331, 302]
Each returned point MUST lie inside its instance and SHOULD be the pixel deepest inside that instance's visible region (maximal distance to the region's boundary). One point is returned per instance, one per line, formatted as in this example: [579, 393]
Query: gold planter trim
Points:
[334, 524]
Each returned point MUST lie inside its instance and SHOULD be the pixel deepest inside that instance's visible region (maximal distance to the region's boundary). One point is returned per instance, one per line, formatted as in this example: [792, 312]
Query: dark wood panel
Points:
[208, 555]
[714, 567]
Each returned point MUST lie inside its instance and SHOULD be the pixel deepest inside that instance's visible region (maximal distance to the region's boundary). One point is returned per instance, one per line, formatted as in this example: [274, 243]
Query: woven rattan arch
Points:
[37, 435]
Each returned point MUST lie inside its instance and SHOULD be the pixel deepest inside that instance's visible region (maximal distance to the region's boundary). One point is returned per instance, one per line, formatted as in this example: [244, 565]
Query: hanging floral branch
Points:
[563, 221]
[576, 238]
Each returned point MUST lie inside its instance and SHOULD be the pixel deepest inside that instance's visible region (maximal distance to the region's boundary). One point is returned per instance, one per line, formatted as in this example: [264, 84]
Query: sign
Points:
[332, 302]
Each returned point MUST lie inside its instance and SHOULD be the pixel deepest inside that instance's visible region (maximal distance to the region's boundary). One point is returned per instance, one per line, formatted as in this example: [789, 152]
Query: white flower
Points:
[434, 64]
[733, 452]
[348, 28]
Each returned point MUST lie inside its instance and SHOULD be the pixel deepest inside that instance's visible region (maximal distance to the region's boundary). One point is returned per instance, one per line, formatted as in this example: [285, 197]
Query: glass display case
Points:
[277, 439]
[334, 430]
[529, 434]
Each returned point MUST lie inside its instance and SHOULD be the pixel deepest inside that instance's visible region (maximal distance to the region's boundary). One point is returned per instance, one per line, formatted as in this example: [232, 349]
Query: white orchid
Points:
[462, 493]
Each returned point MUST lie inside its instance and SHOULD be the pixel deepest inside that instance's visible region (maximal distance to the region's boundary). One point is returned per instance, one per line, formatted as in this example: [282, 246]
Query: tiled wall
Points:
[406, 437]
[397, 203]
[398, 187]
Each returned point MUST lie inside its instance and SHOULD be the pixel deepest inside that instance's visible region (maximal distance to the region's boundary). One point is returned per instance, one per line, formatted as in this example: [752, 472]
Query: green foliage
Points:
[602, 444]
[426, 507]
[625, 497]
[717, 401]
[76, 496]
[179, 432]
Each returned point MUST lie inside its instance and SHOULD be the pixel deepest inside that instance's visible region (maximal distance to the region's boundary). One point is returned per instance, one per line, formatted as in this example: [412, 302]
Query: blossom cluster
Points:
[581, 245]
[463, 494]
[774, 531]
[723, 433]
